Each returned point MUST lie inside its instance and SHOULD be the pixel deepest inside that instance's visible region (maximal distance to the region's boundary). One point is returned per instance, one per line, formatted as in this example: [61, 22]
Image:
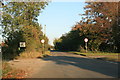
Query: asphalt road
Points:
[67, 65]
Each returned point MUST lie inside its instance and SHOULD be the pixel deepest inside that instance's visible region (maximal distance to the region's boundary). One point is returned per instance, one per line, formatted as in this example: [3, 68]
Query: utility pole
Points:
[43, 40]
[44, 30]
[44, 36]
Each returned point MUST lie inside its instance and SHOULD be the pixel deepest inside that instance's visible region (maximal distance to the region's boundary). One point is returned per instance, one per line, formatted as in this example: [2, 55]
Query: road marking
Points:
[112, 62]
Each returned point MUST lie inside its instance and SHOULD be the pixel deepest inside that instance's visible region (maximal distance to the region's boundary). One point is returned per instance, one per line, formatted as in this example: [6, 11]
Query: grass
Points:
[29, 55]
[100, 55]
[47, 53]
[8, 72]
[5, 68]
[33, 54]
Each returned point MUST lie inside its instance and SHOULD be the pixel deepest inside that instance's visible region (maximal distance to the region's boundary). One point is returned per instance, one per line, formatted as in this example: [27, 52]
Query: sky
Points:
[60, 17]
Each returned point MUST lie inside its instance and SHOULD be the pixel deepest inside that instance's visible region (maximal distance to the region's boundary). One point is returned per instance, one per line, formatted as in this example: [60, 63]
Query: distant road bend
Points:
[67, 65]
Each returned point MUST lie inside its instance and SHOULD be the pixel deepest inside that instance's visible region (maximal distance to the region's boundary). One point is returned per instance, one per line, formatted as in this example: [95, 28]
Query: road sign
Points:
[86, 39]
[42, 41]
[22, 44]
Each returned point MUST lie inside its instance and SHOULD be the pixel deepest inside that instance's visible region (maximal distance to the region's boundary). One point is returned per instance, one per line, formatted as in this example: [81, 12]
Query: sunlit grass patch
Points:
[33, 54]
[100, 55]
[47, 53]
[5, 68]
[96, 53]
[8, 72]
[29, 55]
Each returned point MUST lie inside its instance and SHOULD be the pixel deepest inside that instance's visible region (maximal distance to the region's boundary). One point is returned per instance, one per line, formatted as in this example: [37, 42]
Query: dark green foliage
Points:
[106, 18]
[70, 42]
[99, 24]
[19, 23]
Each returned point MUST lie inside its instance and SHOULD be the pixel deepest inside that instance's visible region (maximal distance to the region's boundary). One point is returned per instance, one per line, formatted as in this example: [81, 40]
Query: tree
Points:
[19, 23]
[105, 17]
[70, 41]
[99, 24]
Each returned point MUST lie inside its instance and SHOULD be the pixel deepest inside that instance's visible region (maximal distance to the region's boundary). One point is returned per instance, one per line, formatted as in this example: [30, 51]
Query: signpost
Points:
[22, 46]
[86, 40]
[43, 41]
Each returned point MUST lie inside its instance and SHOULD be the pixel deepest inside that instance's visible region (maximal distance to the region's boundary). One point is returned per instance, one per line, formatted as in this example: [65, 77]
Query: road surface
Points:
[67, 65]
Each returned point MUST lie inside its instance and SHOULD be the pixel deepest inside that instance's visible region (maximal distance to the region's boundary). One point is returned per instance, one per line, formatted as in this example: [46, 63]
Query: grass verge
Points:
[47, 53]
[8, 72]
[100, 55]
[33, 55]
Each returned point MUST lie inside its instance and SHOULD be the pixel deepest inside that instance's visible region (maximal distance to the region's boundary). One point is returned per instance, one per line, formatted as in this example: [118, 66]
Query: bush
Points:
[29, 55]
[33, 54]
[81, 49]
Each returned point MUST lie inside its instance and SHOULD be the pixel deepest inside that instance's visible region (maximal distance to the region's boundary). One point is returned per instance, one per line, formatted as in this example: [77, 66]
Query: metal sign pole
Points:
[86, 40]
[43, 49]
[86, 46]
[42, 41]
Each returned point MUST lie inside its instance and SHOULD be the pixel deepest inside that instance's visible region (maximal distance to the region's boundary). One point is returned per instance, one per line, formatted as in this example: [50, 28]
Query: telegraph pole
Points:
[43, 40]
[44, 30]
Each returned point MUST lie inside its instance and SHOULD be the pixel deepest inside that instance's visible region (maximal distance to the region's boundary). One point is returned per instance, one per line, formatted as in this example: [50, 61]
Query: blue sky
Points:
[60, 17]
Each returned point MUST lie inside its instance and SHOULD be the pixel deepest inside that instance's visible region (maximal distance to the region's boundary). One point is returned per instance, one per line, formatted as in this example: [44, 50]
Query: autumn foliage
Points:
[19, 24]
[99, 24]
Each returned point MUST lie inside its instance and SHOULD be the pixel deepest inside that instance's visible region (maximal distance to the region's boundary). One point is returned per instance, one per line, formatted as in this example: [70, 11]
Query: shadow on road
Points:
[86, 63]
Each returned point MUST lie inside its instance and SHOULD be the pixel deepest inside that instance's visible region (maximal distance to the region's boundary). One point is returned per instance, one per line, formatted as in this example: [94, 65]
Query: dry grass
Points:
[8, 72]
[33, 54]
[29, 55]
[101, 55]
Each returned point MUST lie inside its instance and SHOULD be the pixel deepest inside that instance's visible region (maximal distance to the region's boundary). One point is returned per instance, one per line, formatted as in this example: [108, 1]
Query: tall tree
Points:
[106, 20]
[19, 23]
[99, 25]
[19, 14]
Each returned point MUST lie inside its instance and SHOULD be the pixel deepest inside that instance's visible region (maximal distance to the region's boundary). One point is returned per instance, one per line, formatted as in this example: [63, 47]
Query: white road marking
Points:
[112, 62]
